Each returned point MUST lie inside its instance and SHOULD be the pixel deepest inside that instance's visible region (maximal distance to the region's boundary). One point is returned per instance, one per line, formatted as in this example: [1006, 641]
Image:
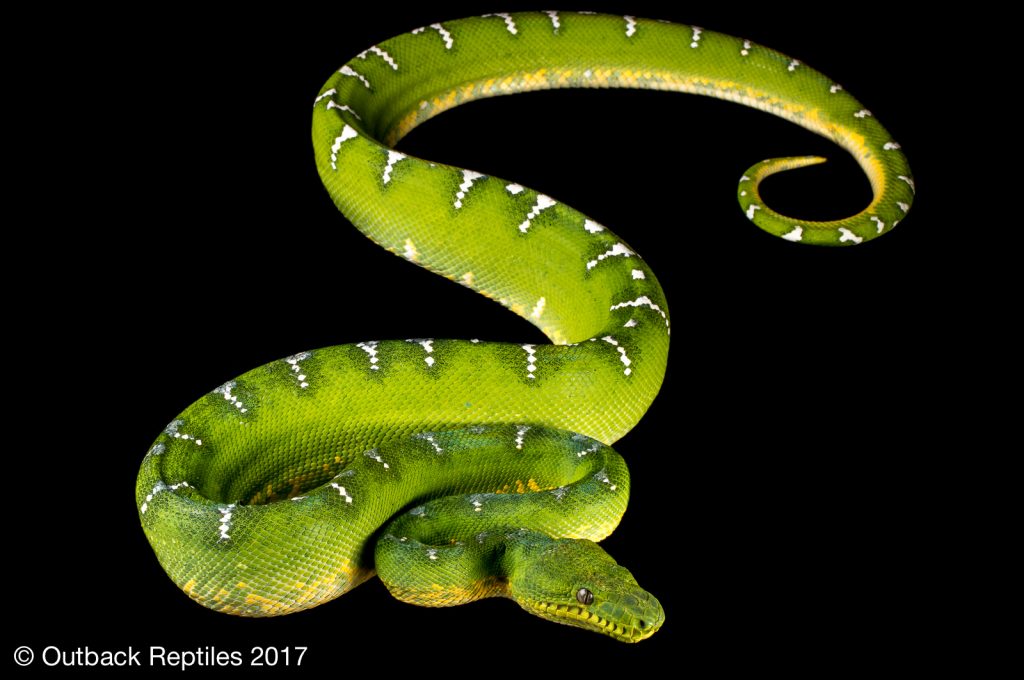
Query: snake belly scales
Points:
[460, 469]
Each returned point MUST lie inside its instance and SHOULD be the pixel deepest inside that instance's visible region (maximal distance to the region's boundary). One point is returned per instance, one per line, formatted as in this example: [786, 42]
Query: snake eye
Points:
[584, 596]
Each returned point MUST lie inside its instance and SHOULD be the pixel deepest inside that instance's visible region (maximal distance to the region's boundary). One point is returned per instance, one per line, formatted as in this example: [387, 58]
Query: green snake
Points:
[460, 469]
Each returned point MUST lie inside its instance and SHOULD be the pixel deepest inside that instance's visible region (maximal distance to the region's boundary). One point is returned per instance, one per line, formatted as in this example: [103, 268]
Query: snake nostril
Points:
[642, 624]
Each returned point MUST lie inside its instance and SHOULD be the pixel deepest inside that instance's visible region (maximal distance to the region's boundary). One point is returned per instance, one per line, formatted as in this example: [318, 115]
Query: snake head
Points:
[575, 582]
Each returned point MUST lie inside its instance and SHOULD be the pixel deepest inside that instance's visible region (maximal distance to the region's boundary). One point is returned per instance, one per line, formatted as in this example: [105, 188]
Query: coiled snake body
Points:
[459, 469]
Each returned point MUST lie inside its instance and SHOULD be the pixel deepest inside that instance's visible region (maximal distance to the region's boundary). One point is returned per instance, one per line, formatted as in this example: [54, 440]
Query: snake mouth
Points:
[582, 618]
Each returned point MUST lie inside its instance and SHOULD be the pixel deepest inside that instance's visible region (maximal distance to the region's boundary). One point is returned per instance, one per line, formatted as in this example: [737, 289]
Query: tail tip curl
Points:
[854, 230]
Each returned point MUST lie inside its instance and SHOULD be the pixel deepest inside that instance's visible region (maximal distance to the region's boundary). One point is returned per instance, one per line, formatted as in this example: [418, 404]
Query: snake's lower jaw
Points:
[634, 627]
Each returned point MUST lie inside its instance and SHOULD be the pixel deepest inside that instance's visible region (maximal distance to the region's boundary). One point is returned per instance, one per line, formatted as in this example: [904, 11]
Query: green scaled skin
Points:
[482, 467]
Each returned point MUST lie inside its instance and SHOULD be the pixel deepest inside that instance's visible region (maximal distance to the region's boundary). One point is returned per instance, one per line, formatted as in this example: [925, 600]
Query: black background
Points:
[775, 507]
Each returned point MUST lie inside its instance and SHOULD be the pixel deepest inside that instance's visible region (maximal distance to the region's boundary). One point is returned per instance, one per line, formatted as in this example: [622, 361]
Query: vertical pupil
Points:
[584, 596]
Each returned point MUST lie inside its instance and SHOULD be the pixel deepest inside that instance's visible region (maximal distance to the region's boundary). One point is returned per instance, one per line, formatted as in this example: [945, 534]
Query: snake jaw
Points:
[582, 617]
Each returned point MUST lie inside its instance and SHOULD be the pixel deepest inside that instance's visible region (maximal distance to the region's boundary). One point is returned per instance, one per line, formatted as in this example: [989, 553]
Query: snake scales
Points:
[458, 469]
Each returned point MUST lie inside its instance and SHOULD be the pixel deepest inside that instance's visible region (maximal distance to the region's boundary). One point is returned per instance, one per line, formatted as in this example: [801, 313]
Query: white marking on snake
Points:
[468, 177]
[380, 53]
[560, 492]
[588, 73]
[531, 359]
[173, 429]
[347, 133]
[630, 324]
[891, 146]
[592, 226]
[905, 207]
[429, 438]
[746, 48]
[467, 279]
[410, 251]
[638, 275]
[521, 431]
[509, 23]
[750, 210]
[642, 301]
[696, 36]
[342, 491]
[347, 70]
[225, 522]
[593, 447]
[909, 182]
[432, 553]
[293, 361]
[445, 35]
[617, 249]
[393, 157]
[792, 65]
[428, 347]
[156, 449]
[225, 391]
[326, 94]
[847, 235]
[622, 353]
[555, 23]
[879, 222]
[543, 203]
[478, 505]
[602, 476]
[157, 488]
[744, 179]
[371, 349]
[836, 87]
[342, 107]
[743, 193]
[475, 341]
[863, 113]
[419, 511]
[373, 455]
[630, 25]
[298, 498]
[796, 235]
[514, 189]
[538, 308]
